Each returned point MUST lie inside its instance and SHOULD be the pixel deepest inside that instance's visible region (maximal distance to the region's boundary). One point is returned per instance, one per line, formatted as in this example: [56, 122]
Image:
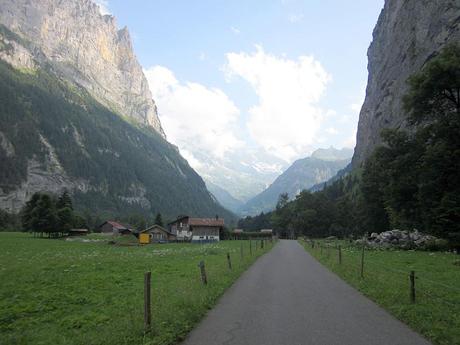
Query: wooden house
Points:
[159, 234]
[114, 228]
[197, 229]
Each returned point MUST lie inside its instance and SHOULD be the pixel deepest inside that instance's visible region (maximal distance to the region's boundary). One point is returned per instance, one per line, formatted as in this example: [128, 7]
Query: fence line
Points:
[415, 284]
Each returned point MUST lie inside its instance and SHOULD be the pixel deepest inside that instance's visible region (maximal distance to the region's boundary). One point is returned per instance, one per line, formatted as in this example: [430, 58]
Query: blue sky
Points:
[283, 76]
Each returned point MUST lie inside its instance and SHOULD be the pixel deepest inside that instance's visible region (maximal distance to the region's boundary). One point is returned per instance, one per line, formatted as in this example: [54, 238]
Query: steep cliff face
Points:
[85, 48]
[407, 35]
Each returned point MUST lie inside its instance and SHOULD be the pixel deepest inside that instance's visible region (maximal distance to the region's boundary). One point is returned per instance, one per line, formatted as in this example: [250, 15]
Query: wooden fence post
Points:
[412, 286]
[340, 254]
[262, 244]
[241, 252]
[321, 249]
[250, 247]
[362, 258]
[204, 279]
[229, 261]
[147, 302]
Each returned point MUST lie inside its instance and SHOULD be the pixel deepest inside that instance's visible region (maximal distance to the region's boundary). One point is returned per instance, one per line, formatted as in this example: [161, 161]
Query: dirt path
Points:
[288, 298]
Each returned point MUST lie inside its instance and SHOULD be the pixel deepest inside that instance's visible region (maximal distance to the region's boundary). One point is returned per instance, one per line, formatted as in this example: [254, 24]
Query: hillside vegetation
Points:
[115, 166]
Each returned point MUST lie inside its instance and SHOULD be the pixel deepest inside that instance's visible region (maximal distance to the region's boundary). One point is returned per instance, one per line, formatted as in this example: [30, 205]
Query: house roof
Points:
[206, 222]
[158, 227]
[116, 225]
[178, 219]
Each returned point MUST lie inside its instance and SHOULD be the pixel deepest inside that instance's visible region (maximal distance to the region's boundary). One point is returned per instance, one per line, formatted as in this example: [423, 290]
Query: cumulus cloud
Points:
[332, 131]
[287, 116]
[103, 6]
[195, 117]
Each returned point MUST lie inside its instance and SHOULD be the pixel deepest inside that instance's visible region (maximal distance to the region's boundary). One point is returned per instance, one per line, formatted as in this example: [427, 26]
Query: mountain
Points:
[76, 113]
[242, 174]
[224, 197]
[302, 174]
[407, 35]
[85, 48]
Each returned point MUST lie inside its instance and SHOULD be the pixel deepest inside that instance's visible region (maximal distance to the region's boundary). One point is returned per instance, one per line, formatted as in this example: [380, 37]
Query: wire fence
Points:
[369, 271]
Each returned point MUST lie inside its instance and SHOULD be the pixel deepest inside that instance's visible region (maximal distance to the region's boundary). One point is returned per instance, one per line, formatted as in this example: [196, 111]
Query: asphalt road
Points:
[288, 298]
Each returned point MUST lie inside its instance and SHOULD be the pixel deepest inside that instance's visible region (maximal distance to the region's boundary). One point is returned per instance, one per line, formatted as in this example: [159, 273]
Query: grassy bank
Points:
[73, 292]
[436, 311]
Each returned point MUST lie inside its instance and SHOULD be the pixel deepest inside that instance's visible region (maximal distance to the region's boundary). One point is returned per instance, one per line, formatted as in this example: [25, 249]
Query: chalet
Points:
[114, 228]
[197, 229]
[159, 234]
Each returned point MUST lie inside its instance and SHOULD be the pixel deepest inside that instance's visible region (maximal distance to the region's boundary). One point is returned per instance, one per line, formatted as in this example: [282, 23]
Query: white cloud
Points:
[356, 106]
[202, 56]
[103, 6]
[350, 142]
[195, 117]
[295, 18]
[235, 30]
[287, 117]
[332, 131]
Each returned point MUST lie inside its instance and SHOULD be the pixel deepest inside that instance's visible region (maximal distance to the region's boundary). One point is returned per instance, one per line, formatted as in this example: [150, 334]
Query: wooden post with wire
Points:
[362, 258]
[204, 278]
[147, 302]
[340, 254]
[412, 286]
[229, 261]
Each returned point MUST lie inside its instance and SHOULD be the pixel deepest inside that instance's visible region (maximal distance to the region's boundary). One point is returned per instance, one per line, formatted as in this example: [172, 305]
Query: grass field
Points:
[436, 313]
[73, 292]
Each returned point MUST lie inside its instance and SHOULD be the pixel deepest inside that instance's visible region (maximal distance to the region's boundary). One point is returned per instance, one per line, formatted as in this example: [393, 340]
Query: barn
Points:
[111, 227]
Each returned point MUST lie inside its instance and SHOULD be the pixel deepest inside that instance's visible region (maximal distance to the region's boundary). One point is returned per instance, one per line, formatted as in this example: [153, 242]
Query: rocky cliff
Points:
[83, 47]
[407, 35]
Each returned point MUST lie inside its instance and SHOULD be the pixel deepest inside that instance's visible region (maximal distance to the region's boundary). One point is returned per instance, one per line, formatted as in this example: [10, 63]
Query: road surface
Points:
[288, 298]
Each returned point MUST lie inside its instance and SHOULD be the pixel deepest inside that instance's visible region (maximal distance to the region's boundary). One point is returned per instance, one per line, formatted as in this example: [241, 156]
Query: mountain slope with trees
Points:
[56, 136]
[302, 174]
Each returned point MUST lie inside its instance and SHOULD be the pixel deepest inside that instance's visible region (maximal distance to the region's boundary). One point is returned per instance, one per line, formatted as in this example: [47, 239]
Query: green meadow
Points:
[436, 311]
[89, 292]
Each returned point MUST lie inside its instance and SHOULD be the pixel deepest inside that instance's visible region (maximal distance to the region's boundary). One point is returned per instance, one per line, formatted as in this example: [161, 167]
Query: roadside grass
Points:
[436, 312]
[75, 292]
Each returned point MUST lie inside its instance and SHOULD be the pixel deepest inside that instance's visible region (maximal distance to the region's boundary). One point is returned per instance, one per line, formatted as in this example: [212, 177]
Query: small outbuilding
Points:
[158, 234]
[78, 232]
[268, 232]
[111, 227]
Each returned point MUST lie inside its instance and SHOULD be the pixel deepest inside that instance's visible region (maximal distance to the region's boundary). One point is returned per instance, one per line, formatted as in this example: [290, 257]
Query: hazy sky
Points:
[287, 76]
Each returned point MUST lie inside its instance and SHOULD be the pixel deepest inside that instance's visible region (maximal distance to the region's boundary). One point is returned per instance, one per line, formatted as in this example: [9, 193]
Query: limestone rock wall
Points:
[86, 48]
[408, 34]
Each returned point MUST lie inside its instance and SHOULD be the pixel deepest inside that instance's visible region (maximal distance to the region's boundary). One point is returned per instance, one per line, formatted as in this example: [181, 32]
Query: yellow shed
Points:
[144, 238]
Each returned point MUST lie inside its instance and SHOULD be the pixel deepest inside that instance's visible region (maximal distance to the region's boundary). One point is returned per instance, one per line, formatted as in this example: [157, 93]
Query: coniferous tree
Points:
[159, 220]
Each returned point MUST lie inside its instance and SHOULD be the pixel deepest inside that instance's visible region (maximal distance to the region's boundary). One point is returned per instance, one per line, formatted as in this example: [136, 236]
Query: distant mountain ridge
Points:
[302, 174]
